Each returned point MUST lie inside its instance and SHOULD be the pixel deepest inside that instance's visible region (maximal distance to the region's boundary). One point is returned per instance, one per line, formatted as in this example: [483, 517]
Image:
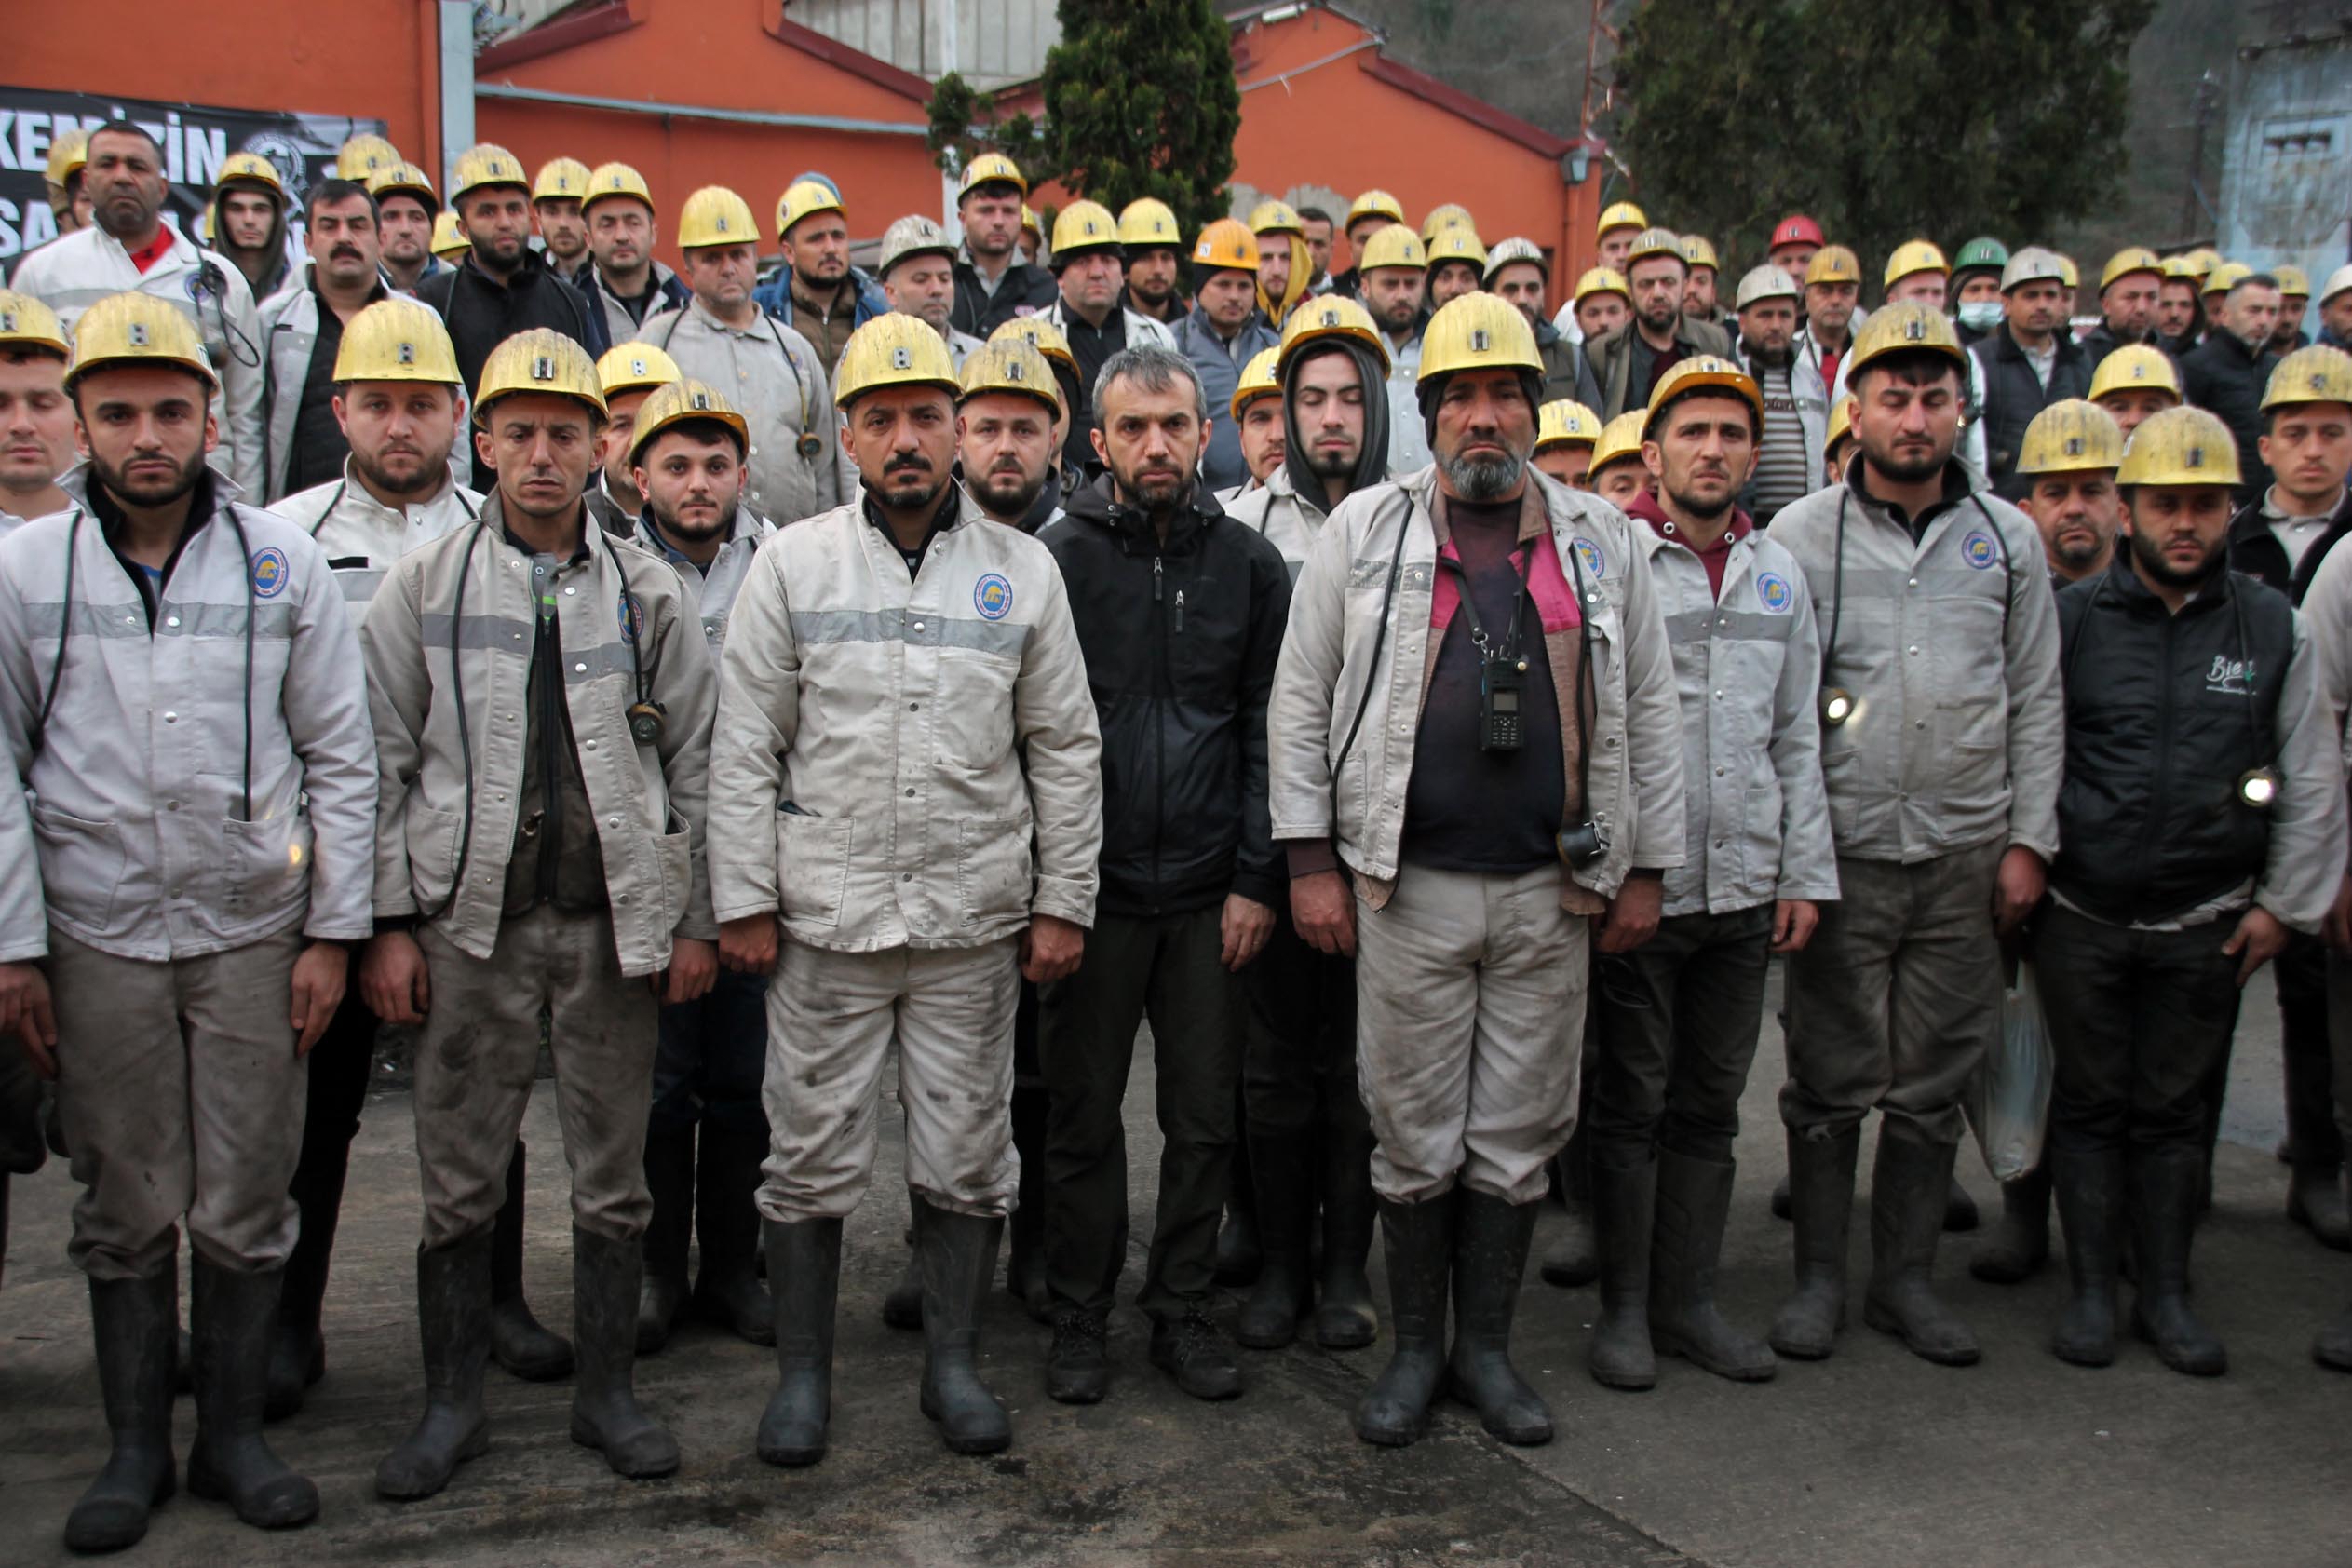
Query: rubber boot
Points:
[804, 1281]
[728, 1292]
[2332, 1347]
[1282, 1163]
[1239, 1255]
[2314, 1201]
[1784, 1203]
[1694, 1203]
[1345, 1319]
[2019, 1245]
[605, 1414]
[298, 1347]
[1822, 1202]
[1417, 1239]
[2164, 1185]
[1908, 1189]
[232, 1317]
[2090, 1192]
[516, 1338]
[1624, 1200]
[1491, 1238]
[453, 1315]
[669, 1177]
[902, 1308]
[958, 1253]
[133, 1323]
[1574, 1257]
[1959, 1210]
[1025, 1231]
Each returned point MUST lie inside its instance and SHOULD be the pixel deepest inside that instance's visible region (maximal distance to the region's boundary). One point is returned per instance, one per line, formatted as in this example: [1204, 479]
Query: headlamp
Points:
[2259, 787]
[1837, 706]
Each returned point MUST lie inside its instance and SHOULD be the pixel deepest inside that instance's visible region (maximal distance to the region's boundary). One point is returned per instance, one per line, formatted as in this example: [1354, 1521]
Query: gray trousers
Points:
[480, 1050]
[181, 1097]
[1897, 998]
[1470, 996]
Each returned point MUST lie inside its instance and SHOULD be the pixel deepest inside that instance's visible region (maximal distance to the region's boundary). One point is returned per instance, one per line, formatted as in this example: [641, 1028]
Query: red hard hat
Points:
[1797, 229]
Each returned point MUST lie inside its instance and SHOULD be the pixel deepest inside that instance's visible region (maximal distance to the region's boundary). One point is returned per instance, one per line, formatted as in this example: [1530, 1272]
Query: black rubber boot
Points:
[1959, 1210]
[2165, 1184]
[1624, 1200]
[2332, 1347]
[2090, 1192]
[1784, 1203]
[133, 1323]
[669, 1177]
[298, 1348]
[1345, 1319]
[2314, 1201]
[605, 1414]
[1574, 1257]
[958, 1255]
[1238, 1254]
[1417, 1239]
[1025, 1232]
[902, 1308]
[1908, 1189]
[1282, 1163]
[1694, 1202]
[520, 1342]
[1822, 1202]
[804, 1280]
[231, 1318]
[453, 1315]
[2018, 1245]
[1491, 1238]
[727, 1290]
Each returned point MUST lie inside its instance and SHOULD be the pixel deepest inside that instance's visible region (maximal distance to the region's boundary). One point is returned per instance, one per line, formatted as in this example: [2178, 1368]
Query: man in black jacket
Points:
[2128, 288]
[2026, 364]
[1181, 611]
[2228, 371]
[993, 284]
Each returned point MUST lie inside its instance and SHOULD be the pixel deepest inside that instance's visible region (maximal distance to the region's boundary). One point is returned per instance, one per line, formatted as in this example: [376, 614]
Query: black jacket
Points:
[2164, 715]
[2225, 377]
[979, 313]
[2013, 395]
[483, 313]
[1567, 374]
[1180, 640]
[2102, 339]
[2256, 551]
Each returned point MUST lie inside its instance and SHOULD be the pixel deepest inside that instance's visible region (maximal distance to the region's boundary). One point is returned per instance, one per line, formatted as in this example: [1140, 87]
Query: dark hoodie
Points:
[1371, 463]
[275, 273]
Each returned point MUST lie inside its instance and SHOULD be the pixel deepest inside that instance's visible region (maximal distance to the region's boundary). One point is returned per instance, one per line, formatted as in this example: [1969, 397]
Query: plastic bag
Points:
[2009, 1098]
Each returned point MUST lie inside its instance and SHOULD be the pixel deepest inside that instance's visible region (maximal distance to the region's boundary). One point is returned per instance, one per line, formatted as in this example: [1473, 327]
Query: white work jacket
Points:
[363, 537]
[713, 588]
[1408, 433]
[773, 376]
[1275, 508]
[24, 932]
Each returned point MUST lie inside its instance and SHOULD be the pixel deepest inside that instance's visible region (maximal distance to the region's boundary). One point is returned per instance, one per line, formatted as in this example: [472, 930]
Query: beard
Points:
[1155, 490]
[1771, 358]
[2148, 555]
[718, 528]
[423, 477]
[1006, 492]
[146, 491]
[1701, 507]
[1334, 465]
[1484, 479]
[1907, 470]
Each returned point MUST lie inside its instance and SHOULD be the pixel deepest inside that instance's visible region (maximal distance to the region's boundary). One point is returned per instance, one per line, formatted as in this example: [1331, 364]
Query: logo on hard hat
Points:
[2196, 457]
[270, 572]
[698, 402]
[1016, 370]
[543, 368]
[637, 367]
[7, 321]
[2074, 446]
[139, 334]
[1915, 329]
[1331, 318]
[993, 596]
[720, 222]
[1772, 593]
[1978, 549]
[1480, 339]
[903, 358]
[2318, 381]
[408, 354]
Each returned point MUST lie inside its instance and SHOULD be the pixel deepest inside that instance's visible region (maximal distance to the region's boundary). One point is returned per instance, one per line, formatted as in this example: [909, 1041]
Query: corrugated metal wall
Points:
[996, 41]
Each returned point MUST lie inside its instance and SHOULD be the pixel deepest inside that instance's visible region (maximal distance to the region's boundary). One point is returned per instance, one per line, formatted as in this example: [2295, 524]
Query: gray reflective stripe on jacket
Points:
[1748, 670]
[887, 747]
[1813, 408]
[648, 799]
[1949, 648]
[1327, 675]
[24, 931]
[362, 537]
[771, 373]
[1275, 510]
[713, 588]
[147, 847]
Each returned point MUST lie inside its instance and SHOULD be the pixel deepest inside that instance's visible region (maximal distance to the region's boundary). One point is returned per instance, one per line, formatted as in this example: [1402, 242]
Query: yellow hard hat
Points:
[1375, 204]
[805, 198]
[2204, 258]
[1832, 263]
[2068, 273]
[1227, 244]
[1566, 422]
[136, 329]
[1841, 425]
[1653, 242]
[397, 339]
[2179, 446]
[1915, 255]
[2229, 275]
[1276, 217]
[26, 322]
[1258, 380]
[2182, 267]
[541, 359]
[1601, 280]
[404, 179]
[681, 402]
[1478, 331]
[1082, 226]
[1395, 246]
[1330, 316]
[616, 180]
[893, 350]
[1909, 327]
[1623, 215]
[2130, 259]
[635, 367]
[1029, 223]
[1620, 439]
[1458, 244]
[2070, 435]
[68, 155]
[252, 169]
[2293, 282]
[561, 179]
[715, 215]
[1446, 215]
[1144, 222]
[2135, 367]
[483, 166]
[1703, 370]
[1698, 251]
[2317, 374]
[448, 238]
[362, 154]
[990, 168]
[1010, 363]
[1041, 335]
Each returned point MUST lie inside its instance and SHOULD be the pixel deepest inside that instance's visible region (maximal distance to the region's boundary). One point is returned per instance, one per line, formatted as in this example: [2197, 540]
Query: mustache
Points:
[908, 463]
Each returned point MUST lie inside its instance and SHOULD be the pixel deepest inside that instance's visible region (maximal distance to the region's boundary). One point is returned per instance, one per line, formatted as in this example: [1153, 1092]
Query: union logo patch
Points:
[1978, 550]
[632, 617]
[1589, 553]
[1772, 593]
[270, 572]
[993, 596]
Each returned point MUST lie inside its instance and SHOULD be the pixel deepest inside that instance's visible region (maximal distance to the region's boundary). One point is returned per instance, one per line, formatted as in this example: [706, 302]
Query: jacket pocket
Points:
[974, 714]
[992, 872]
[263, 864]
[812, 866]
[433, 839]
[81, 866]
[673, 852]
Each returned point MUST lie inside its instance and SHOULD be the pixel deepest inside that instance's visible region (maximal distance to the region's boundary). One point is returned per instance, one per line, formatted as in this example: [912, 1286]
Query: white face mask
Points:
[1980, 315]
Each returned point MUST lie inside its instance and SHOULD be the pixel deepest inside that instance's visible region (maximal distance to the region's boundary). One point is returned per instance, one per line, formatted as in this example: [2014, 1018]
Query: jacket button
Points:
[906, 876]
[171, 620]
[171, 805]
[589, 745]
[571, 587]
[612, 821]
[171, 718]
[1913, 649]
[910, 794]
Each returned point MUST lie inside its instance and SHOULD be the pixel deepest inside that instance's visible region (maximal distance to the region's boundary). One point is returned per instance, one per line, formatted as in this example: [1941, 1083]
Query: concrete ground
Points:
[1870, 1458]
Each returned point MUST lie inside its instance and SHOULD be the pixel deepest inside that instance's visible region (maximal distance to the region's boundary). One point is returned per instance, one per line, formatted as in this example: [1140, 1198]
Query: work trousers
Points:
[711, 1059]
[21, 1149]
[1894, 1001]
[1298, 1064]
[1678, 1019]
[480, 1050]
[831, 1018]
[181, 1097]
[1166, 968]
[2301, 975]
[1470, 994]
[2340, 1040]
